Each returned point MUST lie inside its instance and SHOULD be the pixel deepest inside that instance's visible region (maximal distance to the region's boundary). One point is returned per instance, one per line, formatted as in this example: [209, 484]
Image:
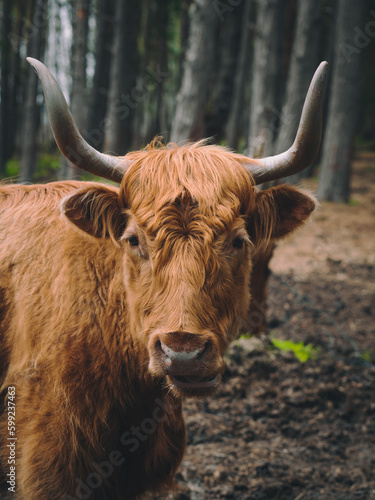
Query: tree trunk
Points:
[334, 178]
[160, 122]
[5, 100]
[16, 121]
[78, 95]
[222, 78]
[31, 110]
[197, 70]
[266, 77]
[184, 37]
[124, 95]
[304, 61]
[143, 117]
[100, 87]
[233, 127]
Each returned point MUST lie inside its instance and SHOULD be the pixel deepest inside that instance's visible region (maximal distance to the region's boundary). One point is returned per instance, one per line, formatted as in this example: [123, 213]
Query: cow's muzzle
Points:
[191, 362]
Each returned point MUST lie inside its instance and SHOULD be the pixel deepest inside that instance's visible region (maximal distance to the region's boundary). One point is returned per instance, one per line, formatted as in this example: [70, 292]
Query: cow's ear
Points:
[278, 212]
[96, 211]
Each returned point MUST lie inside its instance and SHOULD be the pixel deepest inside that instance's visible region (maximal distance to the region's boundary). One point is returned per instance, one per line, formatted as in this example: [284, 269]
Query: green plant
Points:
[247, 335]
[48, 164]
[301, 351]
[353, 202]
[366, 356]
[12, 168]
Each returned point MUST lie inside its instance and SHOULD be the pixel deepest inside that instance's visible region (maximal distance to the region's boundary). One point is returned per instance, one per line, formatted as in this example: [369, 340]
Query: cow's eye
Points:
[238, 242]
[133, 240]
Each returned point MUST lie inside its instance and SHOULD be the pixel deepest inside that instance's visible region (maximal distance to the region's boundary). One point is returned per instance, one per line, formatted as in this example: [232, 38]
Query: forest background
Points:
[236, 71]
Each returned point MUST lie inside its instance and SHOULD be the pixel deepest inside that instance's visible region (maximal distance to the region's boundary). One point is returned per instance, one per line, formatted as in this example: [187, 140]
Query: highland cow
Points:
[115, 303]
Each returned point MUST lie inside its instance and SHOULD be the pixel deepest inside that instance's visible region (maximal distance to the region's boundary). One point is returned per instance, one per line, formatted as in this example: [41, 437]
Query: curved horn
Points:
[67, 136]
[307, 142]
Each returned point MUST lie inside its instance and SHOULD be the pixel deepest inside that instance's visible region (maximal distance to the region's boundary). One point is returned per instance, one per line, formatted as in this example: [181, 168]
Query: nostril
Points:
[206, 347]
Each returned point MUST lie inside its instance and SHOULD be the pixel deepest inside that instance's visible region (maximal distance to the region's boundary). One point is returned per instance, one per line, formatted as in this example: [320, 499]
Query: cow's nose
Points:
[172, 356]
[183, 353]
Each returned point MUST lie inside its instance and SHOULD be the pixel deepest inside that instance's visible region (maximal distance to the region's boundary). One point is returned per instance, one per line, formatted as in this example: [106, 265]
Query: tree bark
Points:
[78, 102]
[143, 117]
[100, 87]
[184, 37]
[266, 77]
[233, 126]
[222, 79]
[5, 99]
[15, 120]
[197, 69]
[124, 95]
[304, 61]
[31, 110]
[160, 122]
[334, 178]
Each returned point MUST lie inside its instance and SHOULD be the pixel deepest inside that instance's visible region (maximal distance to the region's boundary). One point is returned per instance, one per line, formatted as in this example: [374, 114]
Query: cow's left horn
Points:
[69, 140]
[307, 142]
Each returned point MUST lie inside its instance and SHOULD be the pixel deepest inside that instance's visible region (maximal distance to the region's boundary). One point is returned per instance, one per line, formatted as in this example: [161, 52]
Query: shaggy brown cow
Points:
[116, 303]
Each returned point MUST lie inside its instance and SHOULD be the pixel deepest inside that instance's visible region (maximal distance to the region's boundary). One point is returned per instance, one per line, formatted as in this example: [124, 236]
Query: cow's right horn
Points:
[68, 138]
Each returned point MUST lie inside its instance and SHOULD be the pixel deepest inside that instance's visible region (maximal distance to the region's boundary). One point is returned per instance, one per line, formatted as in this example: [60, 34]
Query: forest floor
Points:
[281, 429]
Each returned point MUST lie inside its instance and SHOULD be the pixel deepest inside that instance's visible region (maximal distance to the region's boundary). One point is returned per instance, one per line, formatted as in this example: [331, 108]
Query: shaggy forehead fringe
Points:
[209, 175]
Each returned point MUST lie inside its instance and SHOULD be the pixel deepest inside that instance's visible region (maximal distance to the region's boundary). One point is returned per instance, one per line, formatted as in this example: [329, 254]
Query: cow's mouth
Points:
[194, 382]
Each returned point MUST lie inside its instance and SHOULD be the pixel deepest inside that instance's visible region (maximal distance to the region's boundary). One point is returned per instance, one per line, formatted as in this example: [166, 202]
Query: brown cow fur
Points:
[79, 305]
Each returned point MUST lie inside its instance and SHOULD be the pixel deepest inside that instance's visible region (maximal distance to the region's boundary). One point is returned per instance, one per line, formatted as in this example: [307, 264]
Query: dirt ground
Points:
[281, 429]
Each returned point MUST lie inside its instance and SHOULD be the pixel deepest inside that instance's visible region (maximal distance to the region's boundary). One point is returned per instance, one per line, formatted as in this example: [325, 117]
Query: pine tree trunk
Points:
[160, 122]
[184, 37]
[143, 128]
[233, 127]
[100, 87]
[222, 79]
[334, 178]
[266, 77]
[197, 70]
[304, 61]
[5, 100]
[78, 95]
[124, 95]
[31, 110]
[15, 120]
